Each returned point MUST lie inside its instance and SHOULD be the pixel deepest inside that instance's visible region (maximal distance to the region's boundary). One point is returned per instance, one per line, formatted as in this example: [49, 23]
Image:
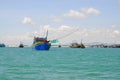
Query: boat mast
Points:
[46, 35]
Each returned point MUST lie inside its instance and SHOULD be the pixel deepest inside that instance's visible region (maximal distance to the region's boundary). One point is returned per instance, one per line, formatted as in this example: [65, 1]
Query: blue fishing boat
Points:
[41, 43]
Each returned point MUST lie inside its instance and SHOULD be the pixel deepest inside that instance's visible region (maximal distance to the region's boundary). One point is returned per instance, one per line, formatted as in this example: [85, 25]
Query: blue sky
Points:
[20, 19]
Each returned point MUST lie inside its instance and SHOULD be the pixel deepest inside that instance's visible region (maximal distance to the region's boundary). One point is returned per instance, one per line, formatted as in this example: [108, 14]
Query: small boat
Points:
[2, 45]
[59, 46]
[21, 45]
[41, 43]
[76, 45]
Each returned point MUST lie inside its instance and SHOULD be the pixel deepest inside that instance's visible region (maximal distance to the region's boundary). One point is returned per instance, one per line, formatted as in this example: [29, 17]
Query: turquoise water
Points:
[60, 64]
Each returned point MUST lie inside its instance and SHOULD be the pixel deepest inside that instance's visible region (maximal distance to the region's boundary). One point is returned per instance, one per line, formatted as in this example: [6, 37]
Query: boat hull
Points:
[43, 46]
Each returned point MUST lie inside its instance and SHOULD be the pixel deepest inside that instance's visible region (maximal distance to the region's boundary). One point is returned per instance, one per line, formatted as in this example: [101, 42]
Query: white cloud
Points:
[74, 14]
[114, 26]
[116, 32]
[57, 19]
[27, 20]
[64, 27]
[83, 14]
[91, 11]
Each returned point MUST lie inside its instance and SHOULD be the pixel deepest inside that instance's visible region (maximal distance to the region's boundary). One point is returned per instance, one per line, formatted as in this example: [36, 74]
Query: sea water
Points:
[60, 64]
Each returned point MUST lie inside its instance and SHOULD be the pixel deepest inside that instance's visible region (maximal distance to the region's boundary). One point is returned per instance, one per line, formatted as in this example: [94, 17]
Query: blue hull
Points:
[43, 46]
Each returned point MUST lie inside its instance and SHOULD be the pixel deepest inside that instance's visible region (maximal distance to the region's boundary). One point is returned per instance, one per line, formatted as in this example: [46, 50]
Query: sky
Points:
[66, 20]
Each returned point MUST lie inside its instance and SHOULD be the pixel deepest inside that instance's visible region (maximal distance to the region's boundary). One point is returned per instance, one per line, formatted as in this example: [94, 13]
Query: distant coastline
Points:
[87, 45]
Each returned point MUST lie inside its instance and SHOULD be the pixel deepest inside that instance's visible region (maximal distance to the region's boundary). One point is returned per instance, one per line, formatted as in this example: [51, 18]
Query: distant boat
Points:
[76, 45]
[2, 45]
[21, 45]
[82, 45]
[59, 46]
[41, 43]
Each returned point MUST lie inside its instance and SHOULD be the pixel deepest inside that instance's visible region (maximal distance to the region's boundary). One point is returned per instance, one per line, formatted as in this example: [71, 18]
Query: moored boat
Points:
[21, 45]
[2, 45]
[41, 43]
[76, 45]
